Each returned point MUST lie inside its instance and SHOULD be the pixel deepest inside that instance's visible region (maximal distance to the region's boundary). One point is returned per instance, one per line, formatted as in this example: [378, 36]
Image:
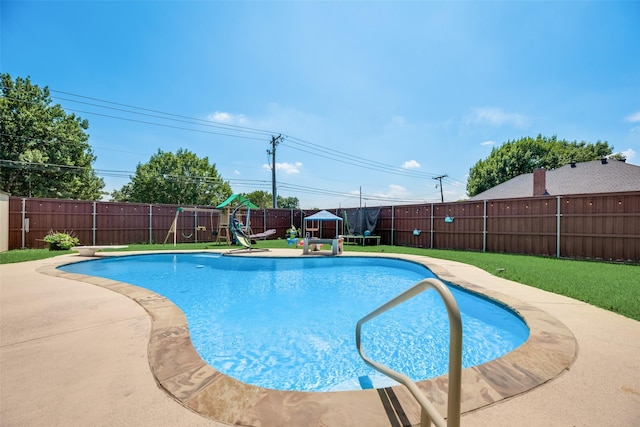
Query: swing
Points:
[198, 228]
[187, 236]
[174, 225]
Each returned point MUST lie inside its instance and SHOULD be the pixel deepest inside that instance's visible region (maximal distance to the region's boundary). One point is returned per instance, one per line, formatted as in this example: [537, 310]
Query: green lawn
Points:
[614, 287]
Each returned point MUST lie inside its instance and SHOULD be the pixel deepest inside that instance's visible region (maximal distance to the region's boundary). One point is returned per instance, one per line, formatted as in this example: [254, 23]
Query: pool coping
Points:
[178, 369]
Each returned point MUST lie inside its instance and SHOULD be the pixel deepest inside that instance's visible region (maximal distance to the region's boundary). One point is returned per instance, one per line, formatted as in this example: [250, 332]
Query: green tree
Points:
[525, 155]
[261, 199]
[181, 178]
[288, 202]
[43, 150]
[264, 200]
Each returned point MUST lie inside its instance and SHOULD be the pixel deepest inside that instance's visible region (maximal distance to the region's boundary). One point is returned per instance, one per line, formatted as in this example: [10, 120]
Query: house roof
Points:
[584, 178]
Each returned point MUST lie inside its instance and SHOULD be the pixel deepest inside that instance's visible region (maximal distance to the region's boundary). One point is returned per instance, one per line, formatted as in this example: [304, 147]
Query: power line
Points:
[15, 164]
[357, 161]
[243, 128]
[328, 153]
[249, 133]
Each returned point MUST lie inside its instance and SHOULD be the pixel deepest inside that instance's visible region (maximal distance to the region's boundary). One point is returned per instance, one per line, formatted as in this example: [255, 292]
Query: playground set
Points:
[220, 221]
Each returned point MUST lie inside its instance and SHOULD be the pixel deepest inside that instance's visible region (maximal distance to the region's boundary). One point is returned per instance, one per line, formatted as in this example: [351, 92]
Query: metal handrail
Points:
[429, 413]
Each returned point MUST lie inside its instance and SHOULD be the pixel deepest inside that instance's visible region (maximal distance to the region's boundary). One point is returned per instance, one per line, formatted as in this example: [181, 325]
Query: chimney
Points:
[540, 182]
[604, 160]
[573, 163]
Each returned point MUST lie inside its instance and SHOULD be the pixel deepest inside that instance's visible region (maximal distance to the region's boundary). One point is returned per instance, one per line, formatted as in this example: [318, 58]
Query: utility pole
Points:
[274, 143]
[441, 193]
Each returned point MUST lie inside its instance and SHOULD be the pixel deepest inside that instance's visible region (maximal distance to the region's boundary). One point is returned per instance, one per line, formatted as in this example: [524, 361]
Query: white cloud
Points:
[629, 154]
[497, 117]
[288, 168]
[236, 172]
[488, 143]
[395, 191]
[633, 118]
[224, 117]
[410, 164]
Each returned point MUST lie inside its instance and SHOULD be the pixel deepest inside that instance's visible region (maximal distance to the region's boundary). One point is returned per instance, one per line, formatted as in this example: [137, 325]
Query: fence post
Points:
[195, 225]
[484, 228]
[264, 219]
[24, 216]
[93, 225]
[393, 223]
[431, 231]
[558, 227]
[150, 223]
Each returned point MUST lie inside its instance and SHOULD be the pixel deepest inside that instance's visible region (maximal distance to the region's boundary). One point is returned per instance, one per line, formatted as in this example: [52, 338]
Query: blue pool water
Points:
[289, 323]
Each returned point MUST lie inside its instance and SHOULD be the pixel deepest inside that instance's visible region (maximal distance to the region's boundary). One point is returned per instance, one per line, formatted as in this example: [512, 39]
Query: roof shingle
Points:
[585, 178]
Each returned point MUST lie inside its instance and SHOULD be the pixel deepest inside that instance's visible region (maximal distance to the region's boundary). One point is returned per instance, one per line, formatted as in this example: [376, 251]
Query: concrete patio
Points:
[76, 354]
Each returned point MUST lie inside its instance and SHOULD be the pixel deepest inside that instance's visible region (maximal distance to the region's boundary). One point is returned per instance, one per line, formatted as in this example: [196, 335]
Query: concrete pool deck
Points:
[77, 354]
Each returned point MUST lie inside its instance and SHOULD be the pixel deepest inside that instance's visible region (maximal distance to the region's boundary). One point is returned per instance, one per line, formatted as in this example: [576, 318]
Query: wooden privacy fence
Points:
[595, 226]
[110, 223]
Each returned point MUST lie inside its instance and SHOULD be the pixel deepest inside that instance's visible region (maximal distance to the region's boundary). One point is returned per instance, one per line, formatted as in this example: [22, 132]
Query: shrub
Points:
[61, 241]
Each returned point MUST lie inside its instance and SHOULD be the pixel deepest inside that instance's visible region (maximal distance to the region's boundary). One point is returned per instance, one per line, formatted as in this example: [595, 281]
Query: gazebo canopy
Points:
[323, 216]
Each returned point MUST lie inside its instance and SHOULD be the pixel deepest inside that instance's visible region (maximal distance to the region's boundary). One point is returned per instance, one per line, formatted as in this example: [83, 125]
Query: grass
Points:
[613, 287]
[23, 255]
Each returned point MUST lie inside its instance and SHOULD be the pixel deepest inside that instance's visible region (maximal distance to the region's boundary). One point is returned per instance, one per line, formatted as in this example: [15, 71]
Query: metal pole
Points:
[484, 228]
[558, 228]
[93, 229]
[24, 215]
[393, 223]
[431, 227]
[195, 225]
[150, 224]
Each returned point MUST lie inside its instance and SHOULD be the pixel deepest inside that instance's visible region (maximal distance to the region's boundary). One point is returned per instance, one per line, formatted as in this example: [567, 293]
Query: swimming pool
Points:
[288, 323]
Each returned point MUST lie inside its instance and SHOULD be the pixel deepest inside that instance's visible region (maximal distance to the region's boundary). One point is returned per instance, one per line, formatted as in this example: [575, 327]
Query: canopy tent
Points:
[320, 217]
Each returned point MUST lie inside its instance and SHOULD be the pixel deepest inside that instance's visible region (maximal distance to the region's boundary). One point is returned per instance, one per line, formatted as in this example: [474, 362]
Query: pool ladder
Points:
[429, 413]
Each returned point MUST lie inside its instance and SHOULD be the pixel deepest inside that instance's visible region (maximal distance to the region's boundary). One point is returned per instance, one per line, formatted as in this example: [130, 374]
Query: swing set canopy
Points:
[240, 199]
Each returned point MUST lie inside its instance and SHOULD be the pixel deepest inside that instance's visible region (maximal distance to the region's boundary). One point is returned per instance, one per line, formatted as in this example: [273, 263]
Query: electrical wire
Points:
[15, 164]
[329, 153]
[242, 132]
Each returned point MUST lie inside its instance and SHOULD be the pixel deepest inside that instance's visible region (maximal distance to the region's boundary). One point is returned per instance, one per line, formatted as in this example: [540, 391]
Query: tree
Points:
[181, 178]
[288, 202]
[43, 150]
[525, 155]
[261, 199]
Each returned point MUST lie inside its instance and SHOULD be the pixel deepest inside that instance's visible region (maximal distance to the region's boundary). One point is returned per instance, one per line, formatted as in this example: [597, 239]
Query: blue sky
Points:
[372, 98]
